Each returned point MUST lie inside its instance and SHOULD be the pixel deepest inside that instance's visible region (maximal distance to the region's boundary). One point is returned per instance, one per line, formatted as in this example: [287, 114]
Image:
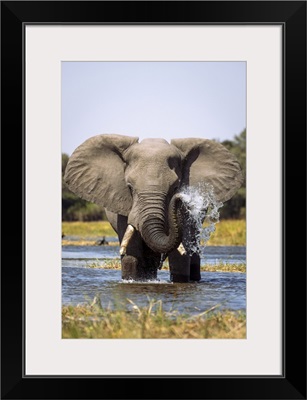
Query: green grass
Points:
[228, 232]
[107, 264]
[227, 267]
[150, 322]
[218, 267]
[88, 229]
[85, 242]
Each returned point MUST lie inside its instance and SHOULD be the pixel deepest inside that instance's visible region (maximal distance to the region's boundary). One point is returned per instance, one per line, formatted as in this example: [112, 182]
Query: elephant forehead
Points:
[152, 149]
[152, 174]
[151, 141]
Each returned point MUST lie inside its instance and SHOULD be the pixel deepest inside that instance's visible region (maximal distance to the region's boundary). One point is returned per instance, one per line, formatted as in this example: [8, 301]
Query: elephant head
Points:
[142, 180]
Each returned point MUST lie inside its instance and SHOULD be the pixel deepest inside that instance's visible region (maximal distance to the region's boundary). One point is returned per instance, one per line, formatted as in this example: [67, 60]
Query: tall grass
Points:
[228, 232]
[88, 229]
[150, 322]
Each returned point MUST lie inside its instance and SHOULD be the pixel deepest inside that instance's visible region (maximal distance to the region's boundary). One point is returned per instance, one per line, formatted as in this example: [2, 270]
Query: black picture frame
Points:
[292, 16]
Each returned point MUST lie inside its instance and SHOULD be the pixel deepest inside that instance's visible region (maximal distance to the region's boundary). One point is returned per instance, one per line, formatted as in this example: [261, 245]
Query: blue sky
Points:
[152, 99]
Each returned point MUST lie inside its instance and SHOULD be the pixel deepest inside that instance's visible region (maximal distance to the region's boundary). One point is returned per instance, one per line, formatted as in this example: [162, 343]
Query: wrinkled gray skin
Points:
[138, 183]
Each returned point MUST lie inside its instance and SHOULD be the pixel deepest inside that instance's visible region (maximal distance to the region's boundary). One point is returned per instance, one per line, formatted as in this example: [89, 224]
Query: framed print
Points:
[142, 124]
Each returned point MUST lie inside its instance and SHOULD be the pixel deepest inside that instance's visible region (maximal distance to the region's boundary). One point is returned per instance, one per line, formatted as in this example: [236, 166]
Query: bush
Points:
[87, 212]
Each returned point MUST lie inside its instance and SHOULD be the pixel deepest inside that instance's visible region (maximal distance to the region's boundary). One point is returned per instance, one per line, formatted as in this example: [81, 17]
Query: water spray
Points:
[200, 205]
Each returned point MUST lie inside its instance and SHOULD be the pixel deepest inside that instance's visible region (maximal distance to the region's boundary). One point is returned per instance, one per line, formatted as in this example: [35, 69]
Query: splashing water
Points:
[200, 206]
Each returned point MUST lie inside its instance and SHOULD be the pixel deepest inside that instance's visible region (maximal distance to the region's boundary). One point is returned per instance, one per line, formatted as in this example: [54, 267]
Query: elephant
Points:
[139, 184]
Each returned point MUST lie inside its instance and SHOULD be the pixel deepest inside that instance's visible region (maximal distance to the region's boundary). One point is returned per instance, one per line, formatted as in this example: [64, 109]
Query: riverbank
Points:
[150, 322]
[227, 233]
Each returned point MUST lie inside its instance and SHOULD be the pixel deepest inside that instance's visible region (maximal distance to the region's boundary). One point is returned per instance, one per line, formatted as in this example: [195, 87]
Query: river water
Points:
[223, 290]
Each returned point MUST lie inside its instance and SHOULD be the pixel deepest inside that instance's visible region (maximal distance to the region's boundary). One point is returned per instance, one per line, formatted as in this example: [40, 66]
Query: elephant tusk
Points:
[126, 239]
[181, 250]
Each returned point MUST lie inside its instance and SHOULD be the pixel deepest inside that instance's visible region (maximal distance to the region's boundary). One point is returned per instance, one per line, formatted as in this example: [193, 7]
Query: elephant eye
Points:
[130, 187]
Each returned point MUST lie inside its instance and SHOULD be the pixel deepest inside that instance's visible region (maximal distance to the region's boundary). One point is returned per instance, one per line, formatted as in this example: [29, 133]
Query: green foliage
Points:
[236, 206]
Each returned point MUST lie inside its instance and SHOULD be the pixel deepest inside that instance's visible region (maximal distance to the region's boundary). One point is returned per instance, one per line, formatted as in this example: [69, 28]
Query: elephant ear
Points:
[210, 162]
[95, 172]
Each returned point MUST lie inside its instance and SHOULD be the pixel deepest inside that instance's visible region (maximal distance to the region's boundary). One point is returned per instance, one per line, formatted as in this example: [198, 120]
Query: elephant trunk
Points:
[153, 225]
